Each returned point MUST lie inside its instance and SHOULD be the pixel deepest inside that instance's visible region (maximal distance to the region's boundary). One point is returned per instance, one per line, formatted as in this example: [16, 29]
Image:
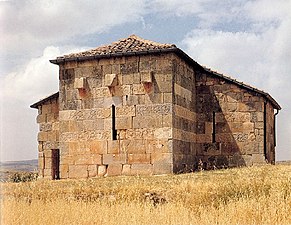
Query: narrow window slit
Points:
[213, 127]
[114, 131]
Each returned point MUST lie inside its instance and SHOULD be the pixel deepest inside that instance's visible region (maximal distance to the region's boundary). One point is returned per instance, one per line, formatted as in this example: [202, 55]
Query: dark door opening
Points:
[55, 164]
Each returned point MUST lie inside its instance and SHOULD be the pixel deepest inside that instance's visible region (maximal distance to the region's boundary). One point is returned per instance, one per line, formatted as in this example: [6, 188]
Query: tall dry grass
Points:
[257, 195]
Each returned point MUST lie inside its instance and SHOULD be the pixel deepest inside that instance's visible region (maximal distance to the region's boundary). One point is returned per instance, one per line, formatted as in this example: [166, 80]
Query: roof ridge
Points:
[148, 41]
[133, 43]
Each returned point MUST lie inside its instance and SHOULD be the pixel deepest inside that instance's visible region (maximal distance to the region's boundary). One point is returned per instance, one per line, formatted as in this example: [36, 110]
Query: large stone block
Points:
[161, 158]
[167, 120]
[234, 127]
[110, 80]
[41, 118]
[136, 134]
[66, 160]
[162, 168]
[159, 146]
[80, 83]
[183, 92]
[156, 109]
[92, 170]
[55, 126]
[141, 169]
[125, 111]
[101, 170]
[53, 136]
[148, 121]
[87, 159]
[47, 173]
[40, 161]
[168, 97]
[45, 126]
[40, 146]
[248, 127]
[133, 146]
[163, 133]
[164, 86]
[42, 136]
[113, 147]
[139, 158]
[123, 123]
[108, 124]
[127, 79]
[78, 171]
[153, 98]
[146, 77]
[138, 89]
[109, 159]
[84, 71]
[114, 169]
[126, 169]
[64, 171]
[46, 108]
[258, 158]
[101, 92]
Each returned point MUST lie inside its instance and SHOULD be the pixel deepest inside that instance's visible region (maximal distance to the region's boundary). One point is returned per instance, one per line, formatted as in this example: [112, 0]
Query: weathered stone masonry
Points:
[140, 107]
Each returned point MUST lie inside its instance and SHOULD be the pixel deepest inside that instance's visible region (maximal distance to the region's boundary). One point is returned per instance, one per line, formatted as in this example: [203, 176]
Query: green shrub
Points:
[17, 177]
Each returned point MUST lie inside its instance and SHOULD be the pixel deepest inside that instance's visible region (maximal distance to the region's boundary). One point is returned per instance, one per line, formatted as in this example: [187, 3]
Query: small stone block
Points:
[126, 168]
[92, 170]
[101, 169]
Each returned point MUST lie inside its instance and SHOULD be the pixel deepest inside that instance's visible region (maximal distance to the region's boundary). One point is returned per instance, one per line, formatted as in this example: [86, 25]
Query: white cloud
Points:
[260, 57]
[36, 79]
[178, 7]
[32, 82]
[27, 26]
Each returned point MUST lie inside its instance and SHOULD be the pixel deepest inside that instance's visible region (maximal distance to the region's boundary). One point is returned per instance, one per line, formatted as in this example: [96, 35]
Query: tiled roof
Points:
[131, 44]
[134, 45]
[245, 86]
[40, 102]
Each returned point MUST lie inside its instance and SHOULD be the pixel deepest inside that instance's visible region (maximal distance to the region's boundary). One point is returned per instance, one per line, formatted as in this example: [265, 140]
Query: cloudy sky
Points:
[248, 40]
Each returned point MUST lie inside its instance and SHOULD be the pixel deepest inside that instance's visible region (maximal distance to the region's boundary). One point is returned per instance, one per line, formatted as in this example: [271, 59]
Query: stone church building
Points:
[140, 107]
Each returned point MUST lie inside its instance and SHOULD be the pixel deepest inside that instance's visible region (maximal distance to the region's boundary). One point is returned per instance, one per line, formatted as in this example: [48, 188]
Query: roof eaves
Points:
[40, 102]
[241, 84]
[58, 61]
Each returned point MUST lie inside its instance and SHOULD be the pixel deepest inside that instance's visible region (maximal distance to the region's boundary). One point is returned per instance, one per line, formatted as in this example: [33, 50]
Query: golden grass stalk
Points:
[257, 195]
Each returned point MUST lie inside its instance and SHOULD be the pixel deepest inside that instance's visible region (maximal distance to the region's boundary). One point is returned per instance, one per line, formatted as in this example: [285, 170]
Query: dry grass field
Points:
[255, 195]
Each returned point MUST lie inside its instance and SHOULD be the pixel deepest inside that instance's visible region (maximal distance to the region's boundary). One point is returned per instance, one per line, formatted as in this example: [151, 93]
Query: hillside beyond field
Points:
[253, 195]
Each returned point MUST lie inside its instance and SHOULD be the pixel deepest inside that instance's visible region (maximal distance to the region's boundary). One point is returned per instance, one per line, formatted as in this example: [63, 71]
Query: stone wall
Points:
[150, 114]
[48, 136]
[232, 121]
[270, 134]
[116, 116]
[184, 117]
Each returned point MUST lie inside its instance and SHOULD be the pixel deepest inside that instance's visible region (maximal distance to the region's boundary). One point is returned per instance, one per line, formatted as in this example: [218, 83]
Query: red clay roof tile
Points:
[131, 44]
